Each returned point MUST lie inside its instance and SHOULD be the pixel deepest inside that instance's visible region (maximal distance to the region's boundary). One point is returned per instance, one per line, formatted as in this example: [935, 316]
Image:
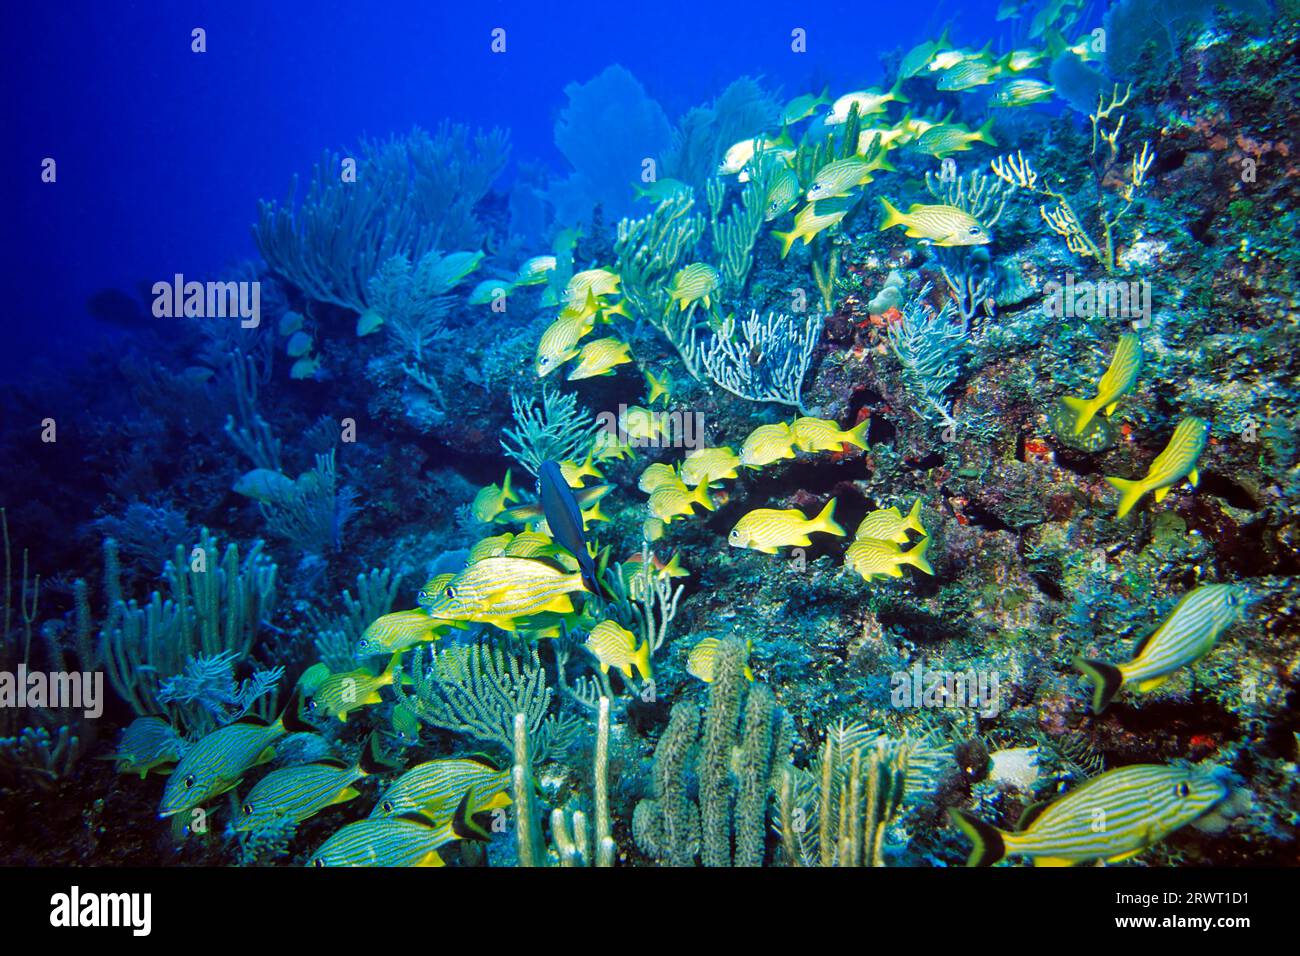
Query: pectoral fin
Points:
[1151, 684]
[1051, 861]
[1193, 476]
[1161, 492]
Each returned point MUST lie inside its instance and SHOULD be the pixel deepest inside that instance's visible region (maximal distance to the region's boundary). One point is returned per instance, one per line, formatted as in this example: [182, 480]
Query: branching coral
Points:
[477, 689]
[214, 605]
[557, 431]
[313, 513]
[835, 813]
[649, 252]
[336, 637]
[1104, 157]
[768, 361]
[209, 695]
[403, 197]
[931, 347]
[734, 236]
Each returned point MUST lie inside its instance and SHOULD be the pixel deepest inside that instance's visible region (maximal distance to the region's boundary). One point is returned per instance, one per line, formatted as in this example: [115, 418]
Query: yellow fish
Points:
[702, 658]
[492, 500]
[820, 434]
[436, 787]
[706, 465]
[1176, 462]
[868, 103]
[498, 590]
[812, 220]
[872, 558]
[656, 387]
[657, 476]
[675, 501]
[643, 424]
[340, 694]
[889, 524]
[559, 343]
[696, 282]
[1120, 377]
[1189, 633]
[395, 632]
[615, 646]
[148, 743]
[940, 225]
[598, 282]
[575, 474]
[767, 529]
[1112, 817]
[535, 270]
[600, 357]
[766, 444]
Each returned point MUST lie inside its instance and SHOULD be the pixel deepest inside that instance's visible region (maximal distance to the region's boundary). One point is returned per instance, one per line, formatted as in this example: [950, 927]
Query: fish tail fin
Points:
[642, 660]
[508, 493]
[1054, 42]
[701, 494]
[892, 217]
[985, 133]
[371, 760]
[989, 846]
[1130, 493]
[1003, 63]
[825, 520]
[464, 825]
[291, 717]
[1082, 410]
[885, 165]
[787, 240]
[896, 91]
[1107, 678]
[857, 435]
[916, 557]
[913, 519]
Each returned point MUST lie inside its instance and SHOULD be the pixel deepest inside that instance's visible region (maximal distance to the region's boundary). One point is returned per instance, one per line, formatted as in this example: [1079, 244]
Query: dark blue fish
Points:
[565, 520]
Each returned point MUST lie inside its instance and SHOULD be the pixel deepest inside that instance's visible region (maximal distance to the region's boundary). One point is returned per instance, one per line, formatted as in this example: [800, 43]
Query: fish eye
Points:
[318, 862]
[387, 806]
[735, 533]
[1184, 790]
[450, 592]
[248, 809]
[974, 230]
[311, 703]
[188, 781]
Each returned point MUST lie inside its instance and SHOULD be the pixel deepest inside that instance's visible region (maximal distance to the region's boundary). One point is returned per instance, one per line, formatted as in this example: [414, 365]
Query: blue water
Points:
[163, 153]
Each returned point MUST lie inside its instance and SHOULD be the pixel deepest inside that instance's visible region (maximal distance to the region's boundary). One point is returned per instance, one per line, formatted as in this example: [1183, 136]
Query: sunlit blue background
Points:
[163, 153]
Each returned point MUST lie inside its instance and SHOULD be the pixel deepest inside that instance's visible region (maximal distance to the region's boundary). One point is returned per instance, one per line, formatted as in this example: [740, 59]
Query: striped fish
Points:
[293, 794]
[890, 524]
[694, 283]
[340, 694]
[766, 444]
[704, 655]
[941, 225]
[559, 343]
[659, 475]
[1176, 462]
[1185, 637]
[535, 270]
[600, 357]
[498, 590]
[435, 788]
[705, 465]
[676, 501]
[1112, 817]
[395, 632]
[218, 762]
[767, 529]
[148, 743]
[872, 558]
[615, 646]
[821, 434]
[1120, 377]
[392, 841]
[597, 281]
